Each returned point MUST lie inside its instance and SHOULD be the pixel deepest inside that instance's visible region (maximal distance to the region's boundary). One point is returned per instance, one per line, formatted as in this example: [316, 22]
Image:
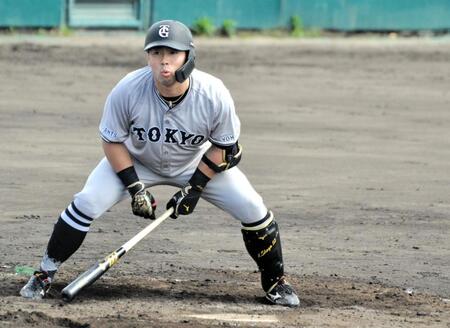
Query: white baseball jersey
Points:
[169, 140]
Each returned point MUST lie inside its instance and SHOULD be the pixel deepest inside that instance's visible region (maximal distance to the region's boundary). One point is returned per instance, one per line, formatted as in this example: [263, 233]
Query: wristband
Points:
[198, 180]
[128, 176]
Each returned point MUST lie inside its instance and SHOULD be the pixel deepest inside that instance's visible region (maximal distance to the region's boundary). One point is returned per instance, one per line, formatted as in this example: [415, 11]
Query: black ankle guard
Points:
[264, 246]
[64, 241]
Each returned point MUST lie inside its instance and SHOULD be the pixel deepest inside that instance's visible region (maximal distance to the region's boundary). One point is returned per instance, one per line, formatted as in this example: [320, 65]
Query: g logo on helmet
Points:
[164, 31]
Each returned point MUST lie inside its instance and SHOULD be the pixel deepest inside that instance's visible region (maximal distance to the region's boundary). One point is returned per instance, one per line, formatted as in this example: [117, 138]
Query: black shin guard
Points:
[64, 241]
[264, 246]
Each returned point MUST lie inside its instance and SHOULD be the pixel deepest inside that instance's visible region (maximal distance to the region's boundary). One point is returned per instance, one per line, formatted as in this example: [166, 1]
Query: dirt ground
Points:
[347, 140]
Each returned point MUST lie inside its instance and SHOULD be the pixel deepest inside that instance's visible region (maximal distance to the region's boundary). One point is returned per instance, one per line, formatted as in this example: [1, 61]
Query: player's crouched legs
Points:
[73, 224]
[263, 242]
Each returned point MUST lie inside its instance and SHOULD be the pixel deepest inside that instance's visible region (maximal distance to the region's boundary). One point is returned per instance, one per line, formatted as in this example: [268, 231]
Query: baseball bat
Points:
[98, 269]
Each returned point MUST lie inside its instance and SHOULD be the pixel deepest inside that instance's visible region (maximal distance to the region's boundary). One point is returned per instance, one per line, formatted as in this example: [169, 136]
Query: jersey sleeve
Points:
[114, 124]
[226, 124]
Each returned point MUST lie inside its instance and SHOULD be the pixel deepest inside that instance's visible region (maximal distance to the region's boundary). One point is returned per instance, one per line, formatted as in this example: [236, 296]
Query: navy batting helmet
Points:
[175, 35]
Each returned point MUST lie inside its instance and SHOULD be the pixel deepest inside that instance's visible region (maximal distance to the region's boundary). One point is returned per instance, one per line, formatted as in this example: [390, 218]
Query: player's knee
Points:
[91, 205]
[253, 206]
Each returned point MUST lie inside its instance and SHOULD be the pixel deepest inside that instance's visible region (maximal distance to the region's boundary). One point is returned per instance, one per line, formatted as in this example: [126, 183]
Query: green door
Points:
[105, 13]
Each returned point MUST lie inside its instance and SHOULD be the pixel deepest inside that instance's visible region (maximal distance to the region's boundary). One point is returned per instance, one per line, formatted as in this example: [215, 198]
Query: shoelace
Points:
[42, 278]
[285, 288]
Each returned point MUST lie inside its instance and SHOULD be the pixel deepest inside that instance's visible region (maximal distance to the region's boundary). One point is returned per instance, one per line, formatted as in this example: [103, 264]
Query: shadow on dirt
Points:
[239, 288]
[185, 292]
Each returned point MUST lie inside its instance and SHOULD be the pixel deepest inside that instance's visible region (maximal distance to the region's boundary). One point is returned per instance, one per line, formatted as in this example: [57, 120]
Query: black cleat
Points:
[283, 294]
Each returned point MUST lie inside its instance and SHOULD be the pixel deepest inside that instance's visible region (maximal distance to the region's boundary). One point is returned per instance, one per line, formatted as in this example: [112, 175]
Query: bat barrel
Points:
[84, 280]
[98, 269]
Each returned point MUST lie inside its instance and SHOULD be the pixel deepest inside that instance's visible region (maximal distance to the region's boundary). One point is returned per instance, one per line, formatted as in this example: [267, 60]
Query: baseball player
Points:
[168, 123]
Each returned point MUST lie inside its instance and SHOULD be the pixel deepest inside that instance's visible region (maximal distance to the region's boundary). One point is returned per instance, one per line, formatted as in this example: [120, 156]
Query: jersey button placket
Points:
[165, 152]
[165, 161]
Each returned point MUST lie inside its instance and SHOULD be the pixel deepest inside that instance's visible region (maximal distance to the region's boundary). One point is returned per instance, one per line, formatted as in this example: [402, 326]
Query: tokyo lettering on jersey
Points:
[169, 140]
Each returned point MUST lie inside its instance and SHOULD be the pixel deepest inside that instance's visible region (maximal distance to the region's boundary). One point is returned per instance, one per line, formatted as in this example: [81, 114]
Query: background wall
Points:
[346, 15]
[371, 14]
[31, 13]
[247, 13]
[324, 14]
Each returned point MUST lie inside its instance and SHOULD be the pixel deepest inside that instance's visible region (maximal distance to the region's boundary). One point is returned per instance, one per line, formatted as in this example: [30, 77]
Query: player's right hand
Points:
[142, 201]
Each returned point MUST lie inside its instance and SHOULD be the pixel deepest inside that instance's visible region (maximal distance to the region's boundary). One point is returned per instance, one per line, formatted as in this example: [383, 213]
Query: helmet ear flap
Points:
[184, 71]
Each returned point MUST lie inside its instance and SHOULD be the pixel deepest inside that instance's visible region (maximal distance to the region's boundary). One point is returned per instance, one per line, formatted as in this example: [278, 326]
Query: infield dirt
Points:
[347, 140]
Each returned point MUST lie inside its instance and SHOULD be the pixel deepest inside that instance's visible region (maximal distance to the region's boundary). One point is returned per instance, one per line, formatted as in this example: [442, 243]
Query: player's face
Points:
[164, 62]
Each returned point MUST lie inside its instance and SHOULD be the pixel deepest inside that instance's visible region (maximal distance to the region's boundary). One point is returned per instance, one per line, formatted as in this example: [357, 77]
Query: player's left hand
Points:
[184, 201]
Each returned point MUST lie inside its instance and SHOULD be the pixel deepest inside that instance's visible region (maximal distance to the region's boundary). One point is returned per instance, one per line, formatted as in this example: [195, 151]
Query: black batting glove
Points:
[185, 200]
[142, 201]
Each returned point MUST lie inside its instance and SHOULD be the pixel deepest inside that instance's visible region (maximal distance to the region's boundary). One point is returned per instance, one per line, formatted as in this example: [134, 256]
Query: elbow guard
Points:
[231, 156]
